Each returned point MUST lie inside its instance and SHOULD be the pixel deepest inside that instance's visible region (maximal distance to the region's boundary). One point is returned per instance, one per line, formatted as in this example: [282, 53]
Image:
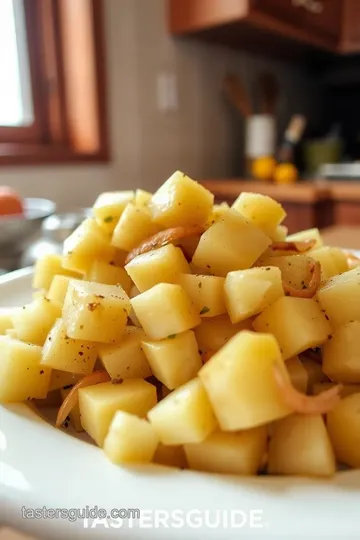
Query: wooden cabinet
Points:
[333, 25]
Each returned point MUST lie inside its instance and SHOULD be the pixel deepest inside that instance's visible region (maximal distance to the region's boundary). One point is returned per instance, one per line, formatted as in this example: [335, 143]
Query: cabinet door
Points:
[324, 17]
[287, 11]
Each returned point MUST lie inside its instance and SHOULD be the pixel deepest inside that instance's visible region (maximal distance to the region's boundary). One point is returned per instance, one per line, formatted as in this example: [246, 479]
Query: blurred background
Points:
[245, 95]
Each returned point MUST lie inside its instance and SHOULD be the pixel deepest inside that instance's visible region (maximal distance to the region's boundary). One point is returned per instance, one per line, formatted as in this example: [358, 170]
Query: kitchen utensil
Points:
[292, 136]
[15, 231]
[237, 95]
[268, 91]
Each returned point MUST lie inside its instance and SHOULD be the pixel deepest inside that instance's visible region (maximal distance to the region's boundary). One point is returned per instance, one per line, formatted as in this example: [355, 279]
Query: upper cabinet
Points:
[332, 25]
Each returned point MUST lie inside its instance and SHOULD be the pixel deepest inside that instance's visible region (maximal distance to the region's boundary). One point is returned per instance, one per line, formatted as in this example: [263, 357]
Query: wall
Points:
[203, 137]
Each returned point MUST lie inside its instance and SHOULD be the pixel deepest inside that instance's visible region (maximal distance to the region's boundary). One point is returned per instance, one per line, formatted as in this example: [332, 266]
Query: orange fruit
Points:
[10, 202]
[263, 168]
[285, 173]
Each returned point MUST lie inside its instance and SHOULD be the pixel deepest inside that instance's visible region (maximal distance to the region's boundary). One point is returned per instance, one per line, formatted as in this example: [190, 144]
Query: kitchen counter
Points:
[318, 203]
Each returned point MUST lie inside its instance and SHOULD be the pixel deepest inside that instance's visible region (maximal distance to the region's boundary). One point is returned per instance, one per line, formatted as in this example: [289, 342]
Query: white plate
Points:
[41, 466]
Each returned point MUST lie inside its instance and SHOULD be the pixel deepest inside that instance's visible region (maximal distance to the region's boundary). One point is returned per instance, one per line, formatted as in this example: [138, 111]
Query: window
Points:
[52, 82]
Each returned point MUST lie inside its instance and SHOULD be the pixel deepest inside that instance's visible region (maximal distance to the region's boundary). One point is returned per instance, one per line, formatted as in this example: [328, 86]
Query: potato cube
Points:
[294, 268]
[184, 416]
[58, 289]
[109, 274]
[142, 197]
[346, 390]
[297, 323]
[34, 321]
[298, 374]
[278, 234]
[308, 234]
[333, 261]
[96, 312]
[300, 445]
[213, 333]
[62, 379]
[230, 244]
[343, 425]
[341, 355]
[6, 322]
[175, 360]
[240, 383]
[130, 439]
[163, 265]
[11, 332]
[165, 310]
[127, 359]
[248, 292]
[217, 212]
[74, 414]
[134, 226]
[260, 210]
[66, 354]
[21, 375]
[171, 456]
[314, 371]
[86, 243]
[205, 292]
[109, 206]
[340, 297]
[229, 453]
[181, 201]
[47, 268]
[99, 403]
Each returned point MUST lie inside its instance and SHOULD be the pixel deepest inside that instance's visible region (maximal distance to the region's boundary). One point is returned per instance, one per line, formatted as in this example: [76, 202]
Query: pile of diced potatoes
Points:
[189, 334]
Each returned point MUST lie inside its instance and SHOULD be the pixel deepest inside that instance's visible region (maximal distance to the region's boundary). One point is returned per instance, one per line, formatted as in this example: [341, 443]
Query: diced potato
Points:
[65, 354]
[6, 322]
[163, 265]
[96, 312]
[130, 439]
[229, 453]
[205, 292]
[142, 197]
[109, 274]
[213, 333]
[171, 456]
[278, 234]
[21, 375]
[74, 414]
[315, 374]
[165, 310]
[47, 268]
[175, 360]
[346, 390]
[297, 323]
[340, 297]
[184, 416]
[86, 244]
[62, 379]
[333, 261]
[135, 225]
[308, 234]
[294, 268]
[58, 289]
[53, 399]
[218, 211]
[126, 360]
[181, 201]
[260, 210]
[248, 292]
[99, 403]
[34, 321]
[12, 333]
[300, 445]
[298, 375]
[343, 425]
[341, 355]
[109, 206]
[240, 383]
[230, 244]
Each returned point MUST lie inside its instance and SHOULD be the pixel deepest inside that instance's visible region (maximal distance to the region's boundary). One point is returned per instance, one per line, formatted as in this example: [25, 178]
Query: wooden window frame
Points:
[68, 81]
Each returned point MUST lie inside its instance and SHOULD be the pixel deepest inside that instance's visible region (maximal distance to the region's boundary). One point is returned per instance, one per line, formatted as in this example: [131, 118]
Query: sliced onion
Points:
[72, 398]
[293, 247]
[301, 403]
[310, 290]
[163, 238]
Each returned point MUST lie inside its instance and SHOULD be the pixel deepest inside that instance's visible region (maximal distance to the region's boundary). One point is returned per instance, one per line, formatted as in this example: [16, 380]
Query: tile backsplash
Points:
[202, 136]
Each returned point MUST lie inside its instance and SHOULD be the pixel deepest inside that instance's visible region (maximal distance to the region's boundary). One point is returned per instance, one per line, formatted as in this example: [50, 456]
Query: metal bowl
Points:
[15, 231]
